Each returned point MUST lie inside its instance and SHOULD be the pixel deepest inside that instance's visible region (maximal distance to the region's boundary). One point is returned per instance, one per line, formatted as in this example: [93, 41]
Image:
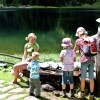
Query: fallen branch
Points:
[6, 62]
[4, 54]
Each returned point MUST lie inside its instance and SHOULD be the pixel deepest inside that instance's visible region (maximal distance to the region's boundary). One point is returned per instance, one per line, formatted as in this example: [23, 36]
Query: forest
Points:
[47, 2]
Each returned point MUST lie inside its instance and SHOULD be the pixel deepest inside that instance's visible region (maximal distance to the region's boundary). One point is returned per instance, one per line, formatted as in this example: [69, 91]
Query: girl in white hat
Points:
[86, 62]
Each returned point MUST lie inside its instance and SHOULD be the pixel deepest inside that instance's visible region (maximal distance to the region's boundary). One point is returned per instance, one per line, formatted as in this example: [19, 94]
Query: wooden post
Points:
[97, 82]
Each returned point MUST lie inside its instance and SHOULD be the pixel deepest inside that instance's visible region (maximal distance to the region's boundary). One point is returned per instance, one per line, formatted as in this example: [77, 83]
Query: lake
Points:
[49, 24]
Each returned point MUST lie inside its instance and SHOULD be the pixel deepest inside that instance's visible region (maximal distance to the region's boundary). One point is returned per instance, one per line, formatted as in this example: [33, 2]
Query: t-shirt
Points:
[84, 58]
[30, 48]
[33, 67]
[68, 59]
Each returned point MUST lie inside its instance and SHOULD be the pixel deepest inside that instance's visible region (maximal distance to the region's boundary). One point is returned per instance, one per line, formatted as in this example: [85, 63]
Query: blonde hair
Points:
[83, 35]
[31, 35]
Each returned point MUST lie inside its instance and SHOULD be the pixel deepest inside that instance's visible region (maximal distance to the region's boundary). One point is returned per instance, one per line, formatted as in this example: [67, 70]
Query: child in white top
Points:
[67, 57]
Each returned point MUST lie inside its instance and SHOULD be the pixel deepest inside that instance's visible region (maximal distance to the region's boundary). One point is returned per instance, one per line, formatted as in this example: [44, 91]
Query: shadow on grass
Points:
[43, 98]
[23, 84]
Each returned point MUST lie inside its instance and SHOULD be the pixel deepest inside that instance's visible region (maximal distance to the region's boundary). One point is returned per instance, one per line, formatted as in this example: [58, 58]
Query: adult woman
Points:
[29, 47]
[86, 62]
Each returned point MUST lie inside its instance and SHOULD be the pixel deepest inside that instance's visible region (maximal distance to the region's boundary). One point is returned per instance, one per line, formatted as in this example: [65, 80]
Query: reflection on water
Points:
[17, 23]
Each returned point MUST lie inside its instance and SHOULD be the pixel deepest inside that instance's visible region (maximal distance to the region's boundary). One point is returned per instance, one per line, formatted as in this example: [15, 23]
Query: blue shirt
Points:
[33, 67]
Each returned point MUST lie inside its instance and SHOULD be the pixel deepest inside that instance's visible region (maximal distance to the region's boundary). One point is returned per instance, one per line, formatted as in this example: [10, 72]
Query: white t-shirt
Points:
[68, 59]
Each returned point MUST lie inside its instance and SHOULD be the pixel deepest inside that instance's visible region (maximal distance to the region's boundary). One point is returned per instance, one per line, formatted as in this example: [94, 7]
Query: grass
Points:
[7, 76]
[14, 43]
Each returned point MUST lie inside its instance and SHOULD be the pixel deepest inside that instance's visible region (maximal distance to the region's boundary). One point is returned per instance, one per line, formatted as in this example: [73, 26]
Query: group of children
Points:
[67, 57]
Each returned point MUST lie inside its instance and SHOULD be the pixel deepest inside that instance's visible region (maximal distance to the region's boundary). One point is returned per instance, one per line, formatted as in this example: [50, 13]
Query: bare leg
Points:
[17, 69]
[71, 86]
[82, 84]
[92, 85]
[63, 86]
[21, 79]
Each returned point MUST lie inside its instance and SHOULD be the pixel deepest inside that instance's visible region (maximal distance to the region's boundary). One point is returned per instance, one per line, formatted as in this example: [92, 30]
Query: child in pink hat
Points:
[86, 62]
[67, 57]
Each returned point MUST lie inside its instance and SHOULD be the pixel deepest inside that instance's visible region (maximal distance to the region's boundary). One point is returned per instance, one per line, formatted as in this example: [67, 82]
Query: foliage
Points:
[48, 2]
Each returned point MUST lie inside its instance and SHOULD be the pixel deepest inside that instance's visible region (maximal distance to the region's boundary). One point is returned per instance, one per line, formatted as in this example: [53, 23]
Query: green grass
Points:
[49, 42]
[7, 76]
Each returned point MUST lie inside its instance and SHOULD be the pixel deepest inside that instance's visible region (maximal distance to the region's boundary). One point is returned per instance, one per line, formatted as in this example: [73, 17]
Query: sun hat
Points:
[80, 30]
[98, 20]
[35, 54]
[66, 42]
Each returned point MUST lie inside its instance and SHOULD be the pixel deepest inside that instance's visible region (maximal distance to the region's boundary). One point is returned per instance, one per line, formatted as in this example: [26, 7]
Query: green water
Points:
[50, 26]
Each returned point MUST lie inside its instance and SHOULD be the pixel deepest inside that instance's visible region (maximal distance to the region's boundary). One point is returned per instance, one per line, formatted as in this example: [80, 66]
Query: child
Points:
[67, 57]
[34, 69]
[86, 62]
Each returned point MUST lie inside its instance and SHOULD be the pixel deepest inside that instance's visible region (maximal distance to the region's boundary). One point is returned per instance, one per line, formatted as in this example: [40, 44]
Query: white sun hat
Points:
[80, 30]
[35, 54]
[98, 20]
[66, 42]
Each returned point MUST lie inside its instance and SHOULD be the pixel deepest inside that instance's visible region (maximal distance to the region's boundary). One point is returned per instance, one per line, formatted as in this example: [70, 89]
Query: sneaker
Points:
[31, 94]
[81, 95]
[72, 96]
[91, 97]
[63, 94]
[37, 96]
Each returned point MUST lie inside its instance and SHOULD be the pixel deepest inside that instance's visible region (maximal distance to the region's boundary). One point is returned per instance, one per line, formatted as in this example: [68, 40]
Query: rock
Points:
[47, 87]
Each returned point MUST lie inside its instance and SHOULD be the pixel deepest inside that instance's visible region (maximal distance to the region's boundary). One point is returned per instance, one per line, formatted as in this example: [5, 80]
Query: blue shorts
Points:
[67, 76]
[90, 73]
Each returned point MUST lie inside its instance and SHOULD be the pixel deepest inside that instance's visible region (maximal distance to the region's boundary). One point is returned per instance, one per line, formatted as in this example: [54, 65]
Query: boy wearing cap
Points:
[34, 69]
[86, 62]
[67, 57]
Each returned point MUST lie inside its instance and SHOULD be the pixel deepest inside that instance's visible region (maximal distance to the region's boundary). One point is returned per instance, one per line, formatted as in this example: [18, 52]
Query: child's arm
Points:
[39, 71]
[61, 56]
[28, 67]
[61, 59]
[74, 56]
[76, 48]
[74, 59]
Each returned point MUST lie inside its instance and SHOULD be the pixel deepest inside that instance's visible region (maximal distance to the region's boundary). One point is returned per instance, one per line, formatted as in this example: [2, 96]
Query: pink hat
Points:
[80, 30]
[66, 42]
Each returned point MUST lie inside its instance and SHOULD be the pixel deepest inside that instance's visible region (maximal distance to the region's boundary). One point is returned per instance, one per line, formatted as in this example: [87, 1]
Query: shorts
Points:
[90, 73]
[67, 76]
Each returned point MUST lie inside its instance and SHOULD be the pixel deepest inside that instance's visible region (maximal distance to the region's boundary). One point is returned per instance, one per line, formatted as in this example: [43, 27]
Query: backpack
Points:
[89, 46]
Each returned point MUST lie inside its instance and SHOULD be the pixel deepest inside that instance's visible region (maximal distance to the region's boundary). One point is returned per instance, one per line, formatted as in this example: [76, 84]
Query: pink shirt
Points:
[68, 59]
[79, 42]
